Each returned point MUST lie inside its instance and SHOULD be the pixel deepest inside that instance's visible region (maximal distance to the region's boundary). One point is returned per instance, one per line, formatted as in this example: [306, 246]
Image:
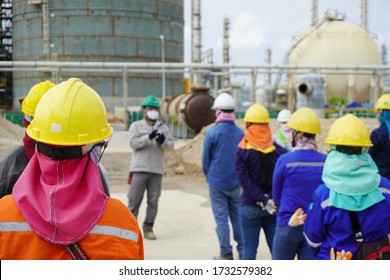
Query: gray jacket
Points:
[148, 155]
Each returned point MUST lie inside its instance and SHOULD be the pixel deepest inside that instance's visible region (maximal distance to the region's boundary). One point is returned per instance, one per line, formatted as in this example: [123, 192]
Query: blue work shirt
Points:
[380, 150]
[219, 154]
[327, 226]
[252, 166]
[297, 174]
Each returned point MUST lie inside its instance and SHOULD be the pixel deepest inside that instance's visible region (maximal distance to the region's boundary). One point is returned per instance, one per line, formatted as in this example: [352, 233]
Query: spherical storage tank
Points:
[336, 41]
[102, 31]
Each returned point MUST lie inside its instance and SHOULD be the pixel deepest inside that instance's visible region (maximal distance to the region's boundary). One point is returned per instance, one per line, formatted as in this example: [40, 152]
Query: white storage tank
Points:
[335, 41]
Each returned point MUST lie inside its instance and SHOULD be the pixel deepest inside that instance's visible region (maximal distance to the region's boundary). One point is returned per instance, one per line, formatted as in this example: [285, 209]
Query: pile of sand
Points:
[11, 136]
[187, 160]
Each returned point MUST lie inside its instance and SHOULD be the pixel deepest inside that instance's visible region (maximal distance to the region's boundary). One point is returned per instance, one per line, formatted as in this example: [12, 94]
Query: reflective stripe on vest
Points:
[384, 190]
[14, 226]
[325, 203]
[302, 163]
[98, 229]
[115, 231]
[311, 243]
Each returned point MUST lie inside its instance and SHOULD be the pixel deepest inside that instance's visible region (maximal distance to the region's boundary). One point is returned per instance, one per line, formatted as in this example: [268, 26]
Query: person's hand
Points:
[340, 255]
[297, 219]
[160, 138]
[270, 207]
[153, 134]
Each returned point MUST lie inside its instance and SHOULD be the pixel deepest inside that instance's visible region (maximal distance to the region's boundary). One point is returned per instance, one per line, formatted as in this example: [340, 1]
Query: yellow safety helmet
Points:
[305, 120]
[70, 114]
[256, 114]
[348, 131]
[383, 102]
[29, 104]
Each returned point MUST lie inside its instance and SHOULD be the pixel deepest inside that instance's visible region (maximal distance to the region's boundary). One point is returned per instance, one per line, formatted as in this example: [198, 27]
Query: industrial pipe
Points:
[304, 88]
[311, 93]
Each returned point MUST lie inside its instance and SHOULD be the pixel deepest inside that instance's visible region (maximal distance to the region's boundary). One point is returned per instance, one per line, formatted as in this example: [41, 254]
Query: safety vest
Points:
[116, 237]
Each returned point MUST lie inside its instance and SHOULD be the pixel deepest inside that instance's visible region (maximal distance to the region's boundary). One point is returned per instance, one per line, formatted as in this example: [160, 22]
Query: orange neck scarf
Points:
[257, 137]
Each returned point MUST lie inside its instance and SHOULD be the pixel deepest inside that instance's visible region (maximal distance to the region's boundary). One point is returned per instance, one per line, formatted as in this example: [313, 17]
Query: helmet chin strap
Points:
[60, 153]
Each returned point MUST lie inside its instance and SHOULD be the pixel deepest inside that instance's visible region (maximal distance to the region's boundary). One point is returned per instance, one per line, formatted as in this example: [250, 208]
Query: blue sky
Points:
[260, 24]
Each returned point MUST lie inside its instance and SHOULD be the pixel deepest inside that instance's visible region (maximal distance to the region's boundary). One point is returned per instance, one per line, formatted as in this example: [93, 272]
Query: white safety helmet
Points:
[284, 116]
[224, 101]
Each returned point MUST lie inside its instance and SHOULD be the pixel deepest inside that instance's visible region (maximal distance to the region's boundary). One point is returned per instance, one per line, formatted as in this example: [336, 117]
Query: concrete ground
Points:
[185, 226]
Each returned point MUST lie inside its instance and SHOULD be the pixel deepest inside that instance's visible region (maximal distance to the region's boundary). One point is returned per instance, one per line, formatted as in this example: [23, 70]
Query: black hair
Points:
[307, 135]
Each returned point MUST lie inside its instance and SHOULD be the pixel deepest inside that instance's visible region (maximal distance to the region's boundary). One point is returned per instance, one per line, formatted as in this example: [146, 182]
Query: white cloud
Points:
[246, 32]
[281, 50]
[258, 25]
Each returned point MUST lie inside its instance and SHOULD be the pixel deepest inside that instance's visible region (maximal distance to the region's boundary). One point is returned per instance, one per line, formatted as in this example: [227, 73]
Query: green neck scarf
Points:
[353, 180]
[282, 138]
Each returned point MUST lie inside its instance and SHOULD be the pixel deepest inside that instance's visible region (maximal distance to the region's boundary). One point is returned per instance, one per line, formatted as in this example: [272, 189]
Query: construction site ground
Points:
[185, 227]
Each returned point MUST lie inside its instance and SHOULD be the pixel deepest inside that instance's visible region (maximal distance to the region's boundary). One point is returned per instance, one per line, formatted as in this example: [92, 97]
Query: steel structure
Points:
[122, 69]
[364, 17]
[6, 97]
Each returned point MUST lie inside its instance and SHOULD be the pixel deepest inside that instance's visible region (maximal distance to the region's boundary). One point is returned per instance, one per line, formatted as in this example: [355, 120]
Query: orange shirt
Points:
[116, 236]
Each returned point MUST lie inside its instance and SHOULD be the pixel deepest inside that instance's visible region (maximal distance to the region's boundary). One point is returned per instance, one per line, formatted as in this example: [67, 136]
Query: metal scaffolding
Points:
[6, 96]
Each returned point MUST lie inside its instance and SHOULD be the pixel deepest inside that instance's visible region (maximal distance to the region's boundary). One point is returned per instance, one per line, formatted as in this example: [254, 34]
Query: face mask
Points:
[95, 154]
[284, 127]
[95, 150]
[152, 115]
